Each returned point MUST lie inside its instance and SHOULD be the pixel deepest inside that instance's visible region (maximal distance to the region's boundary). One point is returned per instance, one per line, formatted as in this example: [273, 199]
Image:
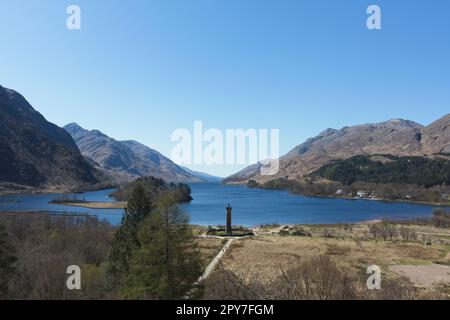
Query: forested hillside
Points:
[401, 170]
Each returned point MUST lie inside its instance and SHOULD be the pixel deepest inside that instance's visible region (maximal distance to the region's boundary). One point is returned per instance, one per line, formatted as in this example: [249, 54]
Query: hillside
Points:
[37, 154]
[397, 137]
[126, 160]
[399, 170]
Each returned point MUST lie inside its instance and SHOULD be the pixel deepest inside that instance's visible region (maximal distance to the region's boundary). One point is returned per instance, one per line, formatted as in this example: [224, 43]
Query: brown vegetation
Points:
[46, 245]
[330, 262]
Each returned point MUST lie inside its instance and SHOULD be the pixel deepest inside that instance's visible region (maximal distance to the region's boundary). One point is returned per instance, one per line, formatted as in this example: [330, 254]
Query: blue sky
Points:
[141, 69]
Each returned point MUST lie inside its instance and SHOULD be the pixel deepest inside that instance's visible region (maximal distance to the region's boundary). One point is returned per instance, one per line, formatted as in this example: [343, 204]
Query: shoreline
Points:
[447, 204]
[440, 204]
[200, 225]
[253, 227]
[31, 190]
[59, 191]
[94, 204]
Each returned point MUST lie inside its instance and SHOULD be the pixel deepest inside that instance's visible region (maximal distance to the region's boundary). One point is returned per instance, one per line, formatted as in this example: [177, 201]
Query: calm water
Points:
[250, 206]
[256, 206]
[40, 202]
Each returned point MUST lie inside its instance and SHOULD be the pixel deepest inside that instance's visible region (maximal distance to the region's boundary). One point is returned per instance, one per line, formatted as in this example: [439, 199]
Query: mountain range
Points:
[127, 160]
[36, 154]
[395, 137]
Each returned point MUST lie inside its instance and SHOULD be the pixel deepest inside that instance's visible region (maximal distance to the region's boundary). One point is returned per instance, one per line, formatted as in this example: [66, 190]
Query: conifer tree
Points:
[167, 263]
[139, 206]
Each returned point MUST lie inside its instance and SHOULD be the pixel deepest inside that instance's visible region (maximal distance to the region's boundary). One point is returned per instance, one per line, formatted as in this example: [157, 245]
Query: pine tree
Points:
[7, 262]
[167, 263]
[139, 206]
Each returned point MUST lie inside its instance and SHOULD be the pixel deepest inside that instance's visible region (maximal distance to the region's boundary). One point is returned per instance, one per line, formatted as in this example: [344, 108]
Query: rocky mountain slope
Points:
[397, 137]
[436, 137]
[126, 160]
[37, 154]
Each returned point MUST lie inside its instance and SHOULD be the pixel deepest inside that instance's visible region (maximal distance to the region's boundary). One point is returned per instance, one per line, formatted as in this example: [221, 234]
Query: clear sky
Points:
[139, 69]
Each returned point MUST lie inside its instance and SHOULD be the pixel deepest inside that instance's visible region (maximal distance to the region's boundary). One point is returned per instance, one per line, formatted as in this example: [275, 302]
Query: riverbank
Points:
[332, 196]
[10, 188]
[447, 203]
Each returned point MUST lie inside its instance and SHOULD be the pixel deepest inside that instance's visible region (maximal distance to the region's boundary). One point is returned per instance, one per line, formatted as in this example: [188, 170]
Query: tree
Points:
[387, 230]
[167, 263]
[154, 187]
[7, 262]
[139, 206]
[252, 183]
[374, 230]
[441, 219]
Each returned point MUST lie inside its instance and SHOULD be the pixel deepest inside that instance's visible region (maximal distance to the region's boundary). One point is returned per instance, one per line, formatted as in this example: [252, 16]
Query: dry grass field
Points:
[276, 249]
[209, 247]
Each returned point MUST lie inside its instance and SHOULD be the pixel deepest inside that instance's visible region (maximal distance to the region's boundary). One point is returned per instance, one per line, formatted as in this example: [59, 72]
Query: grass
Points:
[270, 253]
[209, 248]
[414, 261]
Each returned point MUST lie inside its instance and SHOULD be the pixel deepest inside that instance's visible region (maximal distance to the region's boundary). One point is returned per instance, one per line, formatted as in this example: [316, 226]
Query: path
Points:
[210, 268]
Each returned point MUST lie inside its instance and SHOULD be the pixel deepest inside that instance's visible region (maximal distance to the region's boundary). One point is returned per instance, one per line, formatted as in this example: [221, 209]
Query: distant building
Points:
[229, 229]
[339, 192]
[361, 194]
[445, 196]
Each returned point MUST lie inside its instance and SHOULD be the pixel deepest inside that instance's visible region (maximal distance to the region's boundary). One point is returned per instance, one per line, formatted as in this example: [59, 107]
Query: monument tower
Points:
[229, 229]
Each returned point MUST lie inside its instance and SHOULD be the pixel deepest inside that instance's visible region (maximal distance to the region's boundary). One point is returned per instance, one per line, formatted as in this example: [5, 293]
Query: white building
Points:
[361, 194]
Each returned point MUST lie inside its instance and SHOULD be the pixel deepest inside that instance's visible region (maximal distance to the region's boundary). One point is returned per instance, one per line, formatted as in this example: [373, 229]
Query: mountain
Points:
[126, 160]
[37, 154]
[396, 137]
[436, 137]
[202, 175]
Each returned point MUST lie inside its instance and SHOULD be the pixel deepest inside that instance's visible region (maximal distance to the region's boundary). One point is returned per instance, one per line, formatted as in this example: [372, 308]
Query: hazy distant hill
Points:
[204, 176]
[126, 160]
[37, 153]
[396, 137]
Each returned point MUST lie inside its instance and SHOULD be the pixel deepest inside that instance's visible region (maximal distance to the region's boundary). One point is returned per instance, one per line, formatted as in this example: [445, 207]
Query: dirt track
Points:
[215, 261]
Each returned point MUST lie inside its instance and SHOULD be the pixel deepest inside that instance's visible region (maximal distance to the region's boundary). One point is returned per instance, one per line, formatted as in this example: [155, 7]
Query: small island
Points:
[100, 205]
[91, 204]
[153, 186]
